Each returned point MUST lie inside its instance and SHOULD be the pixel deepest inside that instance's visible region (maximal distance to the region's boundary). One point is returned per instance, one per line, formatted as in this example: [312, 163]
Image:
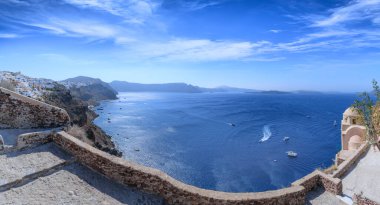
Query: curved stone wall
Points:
[176, 192]
[18, 111]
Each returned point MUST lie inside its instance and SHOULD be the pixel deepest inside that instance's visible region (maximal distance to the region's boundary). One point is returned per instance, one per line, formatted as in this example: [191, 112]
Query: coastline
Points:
[174, 191]
[106, 138]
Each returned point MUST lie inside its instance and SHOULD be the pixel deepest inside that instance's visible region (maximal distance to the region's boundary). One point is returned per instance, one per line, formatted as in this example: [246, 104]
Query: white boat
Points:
[286, 139]
[291, 154]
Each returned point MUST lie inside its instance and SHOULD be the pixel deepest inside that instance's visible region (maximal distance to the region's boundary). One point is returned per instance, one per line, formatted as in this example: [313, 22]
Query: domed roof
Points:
[356, 139]
[351, 112]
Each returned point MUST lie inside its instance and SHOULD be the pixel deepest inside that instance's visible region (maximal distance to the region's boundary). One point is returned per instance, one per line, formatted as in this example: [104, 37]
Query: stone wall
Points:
[351, 161]
[176, 192]
[157, 182]
[360, 200]
[31, 139]
[332, 185]
[318, 178]
[309, 181]
[18, 111]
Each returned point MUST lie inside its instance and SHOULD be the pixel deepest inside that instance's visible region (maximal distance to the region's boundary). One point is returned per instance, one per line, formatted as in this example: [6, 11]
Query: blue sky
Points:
[326, 45]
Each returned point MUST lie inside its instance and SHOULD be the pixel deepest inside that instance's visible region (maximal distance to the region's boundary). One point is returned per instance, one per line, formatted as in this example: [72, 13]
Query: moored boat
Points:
[292, 154]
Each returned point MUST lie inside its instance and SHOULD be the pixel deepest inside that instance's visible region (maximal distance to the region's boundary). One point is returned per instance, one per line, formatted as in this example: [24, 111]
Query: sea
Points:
[231, 142]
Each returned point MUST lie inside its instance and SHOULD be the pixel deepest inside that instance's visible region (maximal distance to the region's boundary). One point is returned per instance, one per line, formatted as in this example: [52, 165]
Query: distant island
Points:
[275, 92]
[123, 86]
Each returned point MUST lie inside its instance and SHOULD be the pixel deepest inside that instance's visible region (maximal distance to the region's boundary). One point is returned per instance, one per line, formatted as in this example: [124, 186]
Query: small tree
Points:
[369, 113]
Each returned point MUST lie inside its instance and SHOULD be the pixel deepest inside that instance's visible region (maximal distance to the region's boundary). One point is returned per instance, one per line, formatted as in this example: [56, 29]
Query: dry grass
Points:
[330, 169]
[79, 133]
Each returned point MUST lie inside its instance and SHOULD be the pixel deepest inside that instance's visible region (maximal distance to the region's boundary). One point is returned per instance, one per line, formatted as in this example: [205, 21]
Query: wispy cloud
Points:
[355, 11]
[79, 28]
[198, 50]
[334, 31]
[19, 2]
[331, 32]
[9, 35]
[192, 5]
[197, 5]
[133, 11]
[275, 31]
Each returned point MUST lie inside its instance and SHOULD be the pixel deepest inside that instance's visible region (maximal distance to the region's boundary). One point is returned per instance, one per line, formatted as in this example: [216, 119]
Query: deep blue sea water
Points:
[190, 136]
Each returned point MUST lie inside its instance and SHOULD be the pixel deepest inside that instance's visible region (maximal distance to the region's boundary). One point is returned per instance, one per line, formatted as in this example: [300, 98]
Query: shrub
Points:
[79, 133]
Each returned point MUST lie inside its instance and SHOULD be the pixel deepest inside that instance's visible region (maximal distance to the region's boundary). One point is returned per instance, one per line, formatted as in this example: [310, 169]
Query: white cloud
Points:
[335, 31]
[9, 35]
[198, 50]
[84, 28]
[17, 2]
[275, 31]
[133, 11]
[328, 33]
[357, 10]
[198, 5]
[265, 59]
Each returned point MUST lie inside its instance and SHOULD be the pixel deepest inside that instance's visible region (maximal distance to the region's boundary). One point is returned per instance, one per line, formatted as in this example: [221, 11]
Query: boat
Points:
[231, 124]
[335, 123]
[286, 139]
[291, 154]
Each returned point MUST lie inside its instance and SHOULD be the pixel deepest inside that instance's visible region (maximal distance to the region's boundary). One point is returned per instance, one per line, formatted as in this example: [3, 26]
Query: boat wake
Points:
[266, 133]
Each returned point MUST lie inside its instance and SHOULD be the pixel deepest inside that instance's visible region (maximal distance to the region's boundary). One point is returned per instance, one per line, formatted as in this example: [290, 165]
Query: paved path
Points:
[364, 177]
[322, 197]
[47, 175]
[15, 166]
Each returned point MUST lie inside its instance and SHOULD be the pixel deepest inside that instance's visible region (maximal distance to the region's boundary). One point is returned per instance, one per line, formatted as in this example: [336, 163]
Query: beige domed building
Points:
[353, 134]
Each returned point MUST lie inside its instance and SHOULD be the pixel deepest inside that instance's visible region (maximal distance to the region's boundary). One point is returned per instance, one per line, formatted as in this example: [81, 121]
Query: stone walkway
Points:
[322, 197]
[361, 178]
[47, 175]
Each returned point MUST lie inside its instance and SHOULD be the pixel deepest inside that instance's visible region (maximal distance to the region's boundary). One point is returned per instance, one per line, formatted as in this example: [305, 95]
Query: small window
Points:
[354, 121]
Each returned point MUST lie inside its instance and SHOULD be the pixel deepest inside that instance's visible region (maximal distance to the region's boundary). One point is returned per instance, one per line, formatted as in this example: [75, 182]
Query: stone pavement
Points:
[47, 175]
[362, 177]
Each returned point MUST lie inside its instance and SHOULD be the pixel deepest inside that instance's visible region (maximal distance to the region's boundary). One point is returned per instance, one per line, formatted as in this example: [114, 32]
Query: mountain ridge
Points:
[124, 86]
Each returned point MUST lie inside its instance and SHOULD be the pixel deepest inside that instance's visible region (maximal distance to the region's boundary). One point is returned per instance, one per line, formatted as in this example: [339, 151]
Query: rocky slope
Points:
[75, 99]
[90, 90]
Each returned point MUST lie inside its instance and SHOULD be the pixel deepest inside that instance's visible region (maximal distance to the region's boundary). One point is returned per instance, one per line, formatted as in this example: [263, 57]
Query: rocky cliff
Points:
[74, 99]
[18, 111]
